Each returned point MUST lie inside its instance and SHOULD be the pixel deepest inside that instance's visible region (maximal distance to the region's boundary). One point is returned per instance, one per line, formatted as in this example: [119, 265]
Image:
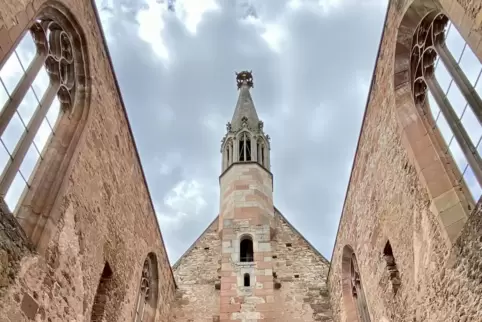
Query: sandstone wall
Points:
[197, 273]
[387, 200]
[246, 194]
[102, 212]
[302, 272]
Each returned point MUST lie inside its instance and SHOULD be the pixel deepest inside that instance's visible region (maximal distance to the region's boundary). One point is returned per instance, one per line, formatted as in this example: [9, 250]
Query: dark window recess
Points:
[241, 150]
[206, 248]
[274, 256]
[246, 250]
[247, 281]
[297, 276]
[392, 268]
[288, 245]
[102, 294]
[275, 275]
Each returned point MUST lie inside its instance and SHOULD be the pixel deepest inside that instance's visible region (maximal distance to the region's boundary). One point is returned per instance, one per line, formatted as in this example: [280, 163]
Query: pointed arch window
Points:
[102, 294]
[244, 147]
[261, 152]
[357, 291]
[147, 296]
[44, 101]
[37, 85]
[353, 294]
[446, 83]
[229, 152]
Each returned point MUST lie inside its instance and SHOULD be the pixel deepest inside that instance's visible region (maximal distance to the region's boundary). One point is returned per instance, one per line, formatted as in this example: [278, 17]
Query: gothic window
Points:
[244, 147]
[357, 291]
[261, 149]
[102, 295]
[247, 281]
[44, 95]
[229, 152]
[393, 274]
[246, 249]
[353, 294]
[446, 83]
[147, 296]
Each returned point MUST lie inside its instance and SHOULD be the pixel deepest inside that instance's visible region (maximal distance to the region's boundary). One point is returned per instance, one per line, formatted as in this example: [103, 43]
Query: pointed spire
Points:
[245, 113]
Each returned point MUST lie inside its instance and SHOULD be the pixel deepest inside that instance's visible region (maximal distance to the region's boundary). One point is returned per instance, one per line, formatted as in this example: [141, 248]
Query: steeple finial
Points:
[244, 114]
[244, 78]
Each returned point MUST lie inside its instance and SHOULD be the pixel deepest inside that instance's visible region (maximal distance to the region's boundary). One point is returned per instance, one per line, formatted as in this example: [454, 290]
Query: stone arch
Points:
[420, 135]
[34, 209]
[355, 306]
[148, 294]
[102, 293]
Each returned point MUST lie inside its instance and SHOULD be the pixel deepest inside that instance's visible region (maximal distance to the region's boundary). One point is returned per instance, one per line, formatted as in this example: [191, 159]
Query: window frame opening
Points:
[101, 295]
[246, 280]
[392, 269]
[246, 250]
[244, 148]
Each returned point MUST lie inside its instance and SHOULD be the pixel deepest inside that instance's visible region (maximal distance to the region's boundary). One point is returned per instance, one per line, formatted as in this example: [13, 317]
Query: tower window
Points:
[260, 149]
[246, 250]
[244, 147]
[247, 281]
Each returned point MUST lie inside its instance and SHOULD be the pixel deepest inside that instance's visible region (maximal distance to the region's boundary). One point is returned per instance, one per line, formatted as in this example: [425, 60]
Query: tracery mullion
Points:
[244, 147]
[27, 138]
[461, 80]
[358, 294]
[457, 128]
[20, 91]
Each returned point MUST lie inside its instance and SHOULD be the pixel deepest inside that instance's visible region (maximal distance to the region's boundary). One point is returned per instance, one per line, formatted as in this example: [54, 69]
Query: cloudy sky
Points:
[312, 63]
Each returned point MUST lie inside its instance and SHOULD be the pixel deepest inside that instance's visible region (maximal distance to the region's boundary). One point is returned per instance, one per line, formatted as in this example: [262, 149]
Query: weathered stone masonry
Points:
[402, 192]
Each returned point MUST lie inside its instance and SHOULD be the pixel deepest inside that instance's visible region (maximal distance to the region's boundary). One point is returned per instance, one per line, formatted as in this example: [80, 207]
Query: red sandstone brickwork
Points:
[246, 212]
[391, 198]
[102, 211]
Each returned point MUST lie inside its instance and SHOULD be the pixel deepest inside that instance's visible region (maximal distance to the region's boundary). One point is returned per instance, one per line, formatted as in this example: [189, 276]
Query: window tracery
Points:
[147, 296]
[38, 85]
[244, 147]
[357, 291]
[451, 97]
[144, 292]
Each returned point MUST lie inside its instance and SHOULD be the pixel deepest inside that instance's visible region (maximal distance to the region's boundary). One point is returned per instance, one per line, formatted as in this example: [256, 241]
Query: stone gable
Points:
[302, 271]
[196, 274]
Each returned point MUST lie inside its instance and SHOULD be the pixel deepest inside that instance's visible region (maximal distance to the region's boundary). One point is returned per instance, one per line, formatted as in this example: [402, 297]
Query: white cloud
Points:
[184, 201]
[151, 24]
[190, 12]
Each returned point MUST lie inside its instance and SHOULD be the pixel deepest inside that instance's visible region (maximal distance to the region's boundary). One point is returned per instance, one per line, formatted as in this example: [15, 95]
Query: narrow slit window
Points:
[247, 280]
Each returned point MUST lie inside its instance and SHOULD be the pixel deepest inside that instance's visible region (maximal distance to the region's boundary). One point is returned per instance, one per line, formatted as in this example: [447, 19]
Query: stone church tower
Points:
[255, 262]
